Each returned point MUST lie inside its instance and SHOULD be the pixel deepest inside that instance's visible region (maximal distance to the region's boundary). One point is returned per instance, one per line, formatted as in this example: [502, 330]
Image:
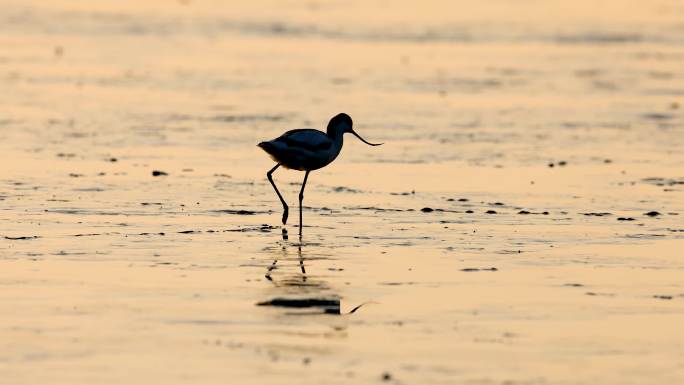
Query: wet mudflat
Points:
[523, 223]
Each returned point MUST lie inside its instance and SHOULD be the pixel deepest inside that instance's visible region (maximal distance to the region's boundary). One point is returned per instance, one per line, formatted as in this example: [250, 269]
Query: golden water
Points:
[474, 102]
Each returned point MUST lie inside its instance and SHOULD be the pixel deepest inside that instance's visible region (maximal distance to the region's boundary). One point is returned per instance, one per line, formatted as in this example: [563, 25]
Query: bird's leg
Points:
[301, 262]
[270, 269]
[301, 198]
[270, 179]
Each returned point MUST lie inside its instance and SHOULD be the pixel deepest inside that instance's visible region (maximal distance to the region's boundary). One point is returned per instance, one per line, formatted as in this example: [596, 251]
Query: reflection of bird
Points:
[304, 295]
[308, 150]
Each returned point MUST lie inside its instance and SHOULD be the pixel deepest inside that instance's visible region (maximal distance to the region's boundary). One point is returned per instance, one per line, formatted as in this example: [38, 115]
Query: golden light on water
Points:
[522, 222]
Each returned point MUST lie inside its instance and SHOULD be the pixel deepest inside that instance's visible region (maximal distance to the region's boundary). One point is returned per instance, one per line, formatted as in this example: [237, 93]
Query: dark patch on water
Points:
[5, 122]
[247, 118]
[663, 181]
[561, 163]
[380, 209]
[396, 283]
[474, 269]
[263, 228]
[427, 209]
[509, 252]
[21, 237]
[90, 234]
[240, 212]
[89, 212]
[644, 236]
[161, 263]
[341, 189]
[403, 34]
[324, 305]
[63, 252]
[599, 38]
[657, 116]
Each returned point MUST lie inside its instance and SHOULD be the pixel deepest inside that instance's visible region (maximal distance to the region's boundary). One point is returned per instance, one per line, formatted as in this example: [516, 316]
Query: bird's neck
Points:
[336, 135]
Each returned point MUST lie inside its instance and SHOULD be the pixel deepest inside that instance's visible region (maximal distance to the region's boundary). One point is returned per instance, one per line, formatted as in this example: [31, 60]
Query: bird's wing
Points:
[306, 139]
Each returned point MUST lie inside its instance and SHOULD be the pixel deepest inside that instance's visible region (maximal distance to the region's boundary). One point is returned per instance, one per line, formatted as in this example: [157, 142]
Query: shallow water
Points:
[522, 223]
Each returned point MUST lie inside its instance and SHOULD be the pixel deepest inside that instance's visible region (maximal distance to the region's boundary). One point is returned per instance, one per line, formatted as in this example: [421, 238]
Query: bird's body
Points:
[303, 149]
[307, 150]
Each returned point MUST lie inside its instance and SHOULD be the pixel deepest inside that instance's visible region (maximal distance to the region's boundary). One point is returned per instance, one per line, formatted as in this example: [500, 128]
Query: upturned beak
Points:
[364, 140]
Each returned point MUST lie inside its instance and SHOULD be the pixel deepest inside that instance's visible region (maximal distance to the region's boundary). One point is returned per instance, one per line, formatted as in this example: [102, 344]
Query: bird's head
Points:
[343, 123]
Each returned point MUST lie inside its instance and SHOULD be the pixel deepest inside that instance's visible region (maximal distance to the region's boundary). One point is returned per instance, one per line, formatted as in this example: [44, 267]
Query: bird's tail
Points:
[266, 146]
[270, 149]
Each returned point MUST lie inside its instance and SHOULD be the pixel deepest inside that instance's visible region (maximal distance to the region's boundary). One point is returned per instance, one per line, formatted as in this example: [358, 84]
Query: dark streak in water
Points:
[396, 283]
[473, 269]
[374, 209]
[263, 228]
[240, 212]
[663, 181]
[343, 189]
[600, 38]
[643, 236]
[328, 306]
[247, 118]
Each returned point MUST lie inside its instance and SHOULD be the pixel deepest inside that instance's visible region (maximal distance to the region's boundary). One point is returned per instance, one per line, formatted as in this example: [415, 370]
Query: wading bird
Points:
[307, 150]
